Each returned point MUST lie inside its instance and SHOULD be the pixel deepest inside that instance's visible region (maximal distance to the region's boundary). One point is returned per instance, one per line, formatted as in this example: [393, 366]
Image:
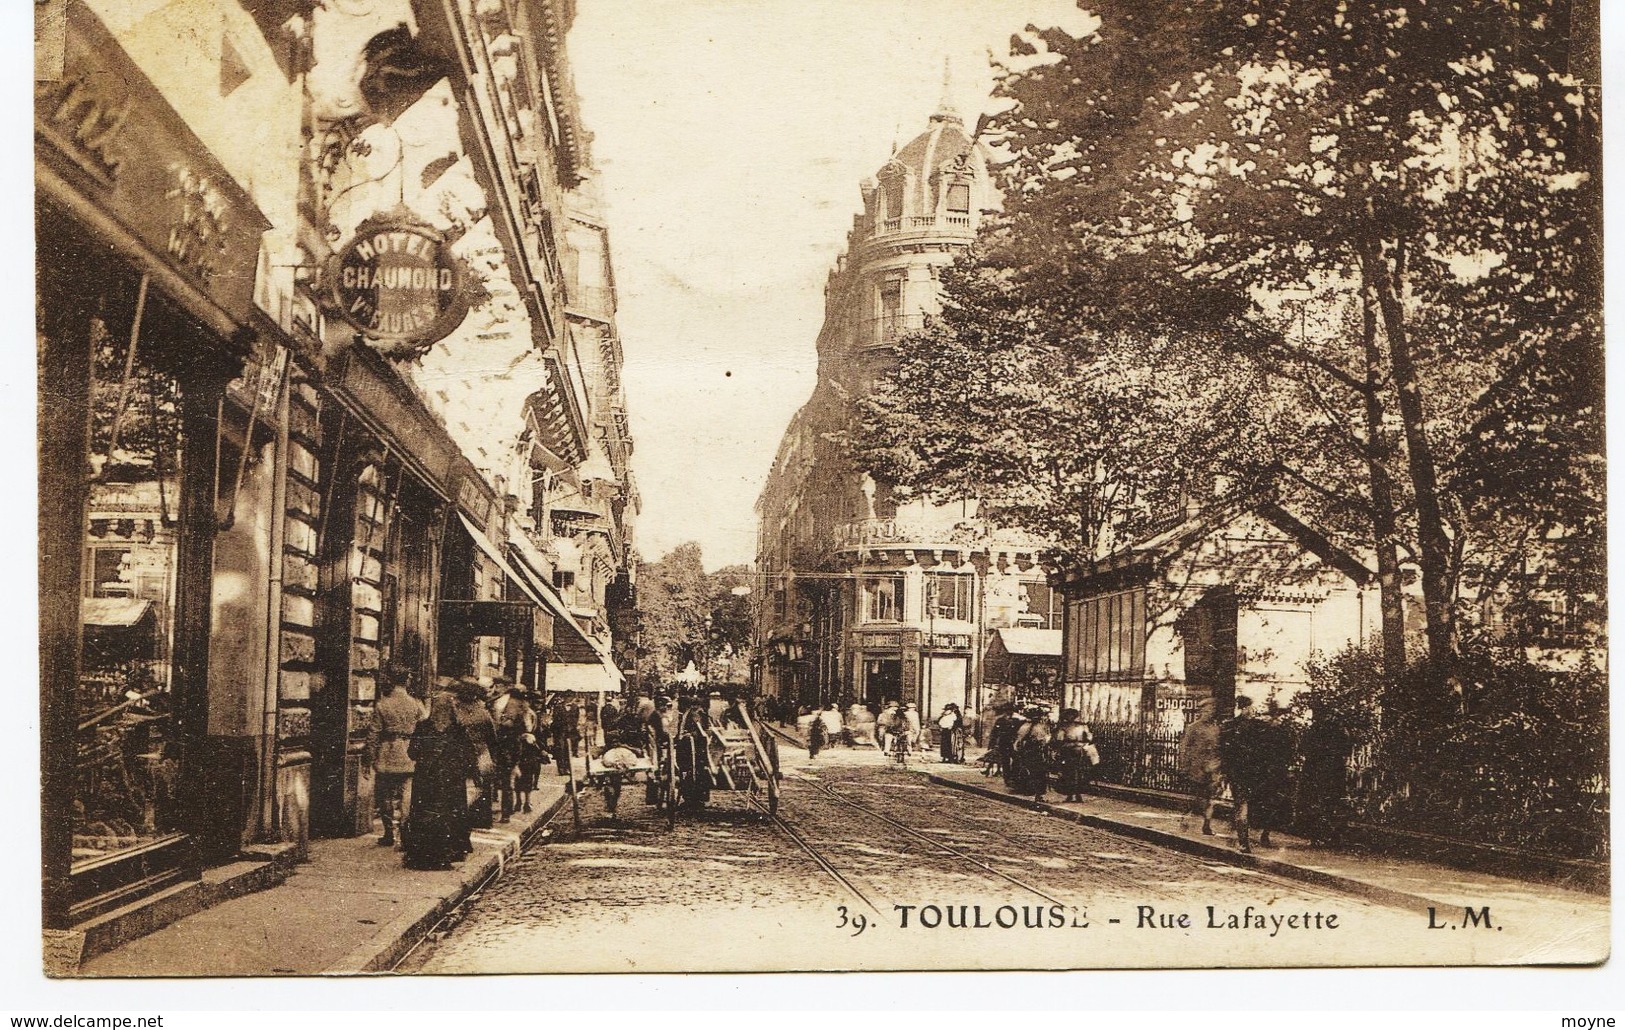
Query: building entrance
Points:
[882, 680]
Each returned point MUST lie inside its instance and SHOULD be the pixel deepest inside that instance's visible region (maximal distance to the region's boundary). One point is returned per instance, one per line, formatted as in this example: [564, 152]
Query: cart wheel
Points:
[772, 795]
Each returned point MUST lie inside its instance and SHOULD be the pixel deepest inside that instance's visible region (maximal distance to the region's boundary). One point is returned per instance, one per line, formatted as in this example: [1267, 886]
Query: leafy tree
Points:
[672, 604]
[1421, 176]
[688, 615]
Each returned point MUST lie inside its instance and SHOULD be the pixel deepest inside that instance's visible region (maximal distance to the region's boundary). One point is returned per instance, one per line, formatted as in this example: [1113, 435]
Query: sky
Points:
[730, 137]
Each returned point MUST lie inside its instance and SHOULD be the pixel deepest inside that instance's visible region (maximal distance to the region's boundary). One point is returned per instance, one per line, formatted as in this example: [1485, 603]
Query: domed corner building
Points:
[865, 597]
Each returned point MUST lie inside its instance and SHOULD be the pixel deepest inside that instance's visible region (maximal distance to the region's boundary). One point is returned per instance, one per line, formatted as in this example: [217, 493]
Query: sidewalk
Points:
[1406, 883]
[353, 908]
[1399, 882]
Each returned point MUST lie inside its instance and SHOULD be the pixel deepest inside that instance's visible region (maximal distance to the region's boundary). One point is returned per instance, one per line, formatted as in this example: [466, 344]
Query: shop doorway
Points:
[882, 680]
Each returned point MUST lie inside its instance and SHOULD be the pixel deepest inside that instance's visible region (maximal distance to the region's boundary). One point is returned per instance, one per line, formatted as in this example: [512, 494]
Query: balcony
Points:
[886, 330]
[594, 302]
[948, 224]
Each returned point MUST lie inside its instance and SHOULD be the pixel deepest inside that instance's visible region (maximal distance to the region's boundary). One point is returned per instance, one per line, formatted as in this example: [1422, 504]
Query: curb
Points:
[1201, 849]
[378, 957]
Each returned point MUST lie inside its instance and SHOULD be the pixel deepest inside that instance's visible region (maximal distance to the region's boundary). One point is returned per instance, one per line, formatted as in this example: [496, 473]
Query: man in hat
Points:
[1243, 743]
[394, 717]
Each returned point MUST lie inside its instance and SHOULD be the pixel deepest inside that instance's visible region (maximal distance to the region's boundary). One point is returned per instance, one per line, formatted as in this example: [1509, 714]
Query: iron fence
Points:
[1134, 754]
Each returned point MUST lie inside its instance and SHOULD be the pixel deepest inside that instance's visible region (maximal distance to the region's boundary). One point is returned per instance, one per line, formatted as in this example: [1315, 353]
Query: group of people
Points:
[1031, 751]
[890, 726]
[442, 766]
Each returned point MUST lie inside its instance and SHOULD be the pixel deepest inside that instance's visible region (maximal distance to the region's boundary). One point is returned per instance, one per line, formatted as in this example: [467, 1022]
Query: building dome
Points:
[917, 182]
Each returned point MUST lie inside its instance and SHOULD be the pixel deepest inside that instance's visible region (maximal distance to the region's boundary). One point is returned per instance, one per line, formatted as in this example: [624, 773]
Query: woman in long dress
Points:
[436, 829]
[1073, 748]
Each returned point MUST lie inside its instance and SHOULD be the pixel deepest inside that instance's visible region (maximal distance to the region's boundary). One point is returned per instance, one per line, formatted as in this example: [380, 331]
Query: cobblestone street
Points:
[937, 877]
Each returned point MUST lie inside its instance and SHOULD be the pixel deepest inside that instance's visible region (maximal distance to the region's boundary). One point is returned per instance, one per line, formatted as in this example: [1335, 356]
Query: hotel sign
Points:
[398, 283]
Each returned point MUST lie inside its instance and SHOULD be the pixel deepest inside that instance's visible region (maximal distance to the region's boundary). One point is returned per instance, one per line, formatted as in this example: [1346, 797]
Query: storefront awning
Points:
[501, 618]
[585, 677]
[570, 642]
[1030, 642]
[580, 662]
[112, 612]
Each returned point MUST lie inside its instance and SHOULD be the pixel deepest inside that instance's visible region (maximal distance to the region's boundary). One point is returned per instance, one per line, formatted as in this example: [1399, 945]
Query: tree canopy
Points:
[686, 614]
[1350, 247]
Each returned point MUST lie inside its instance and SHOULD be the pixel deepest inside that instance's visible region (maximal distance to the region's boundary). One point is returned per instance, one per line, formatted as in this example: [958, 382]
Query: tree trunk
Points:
[1384, 525]
[1433, 542]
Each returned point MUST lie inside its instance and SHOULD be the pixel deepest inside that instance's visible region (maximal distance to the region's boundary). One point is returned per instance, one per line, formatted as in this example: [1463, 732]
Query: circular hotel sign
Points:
[398, 283]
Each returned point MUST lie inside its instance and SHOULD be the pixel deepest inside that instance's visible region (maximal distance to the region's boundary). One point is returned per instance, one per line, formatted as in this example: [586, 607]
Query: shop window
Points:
[882, 598]
[1044, 606]
[126, 778]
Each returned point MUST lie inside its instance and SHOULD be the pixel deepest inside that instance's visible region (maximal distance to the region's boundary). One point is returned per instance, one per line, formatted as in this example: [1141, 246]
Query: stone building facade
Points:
[863, 597]
[256, 503]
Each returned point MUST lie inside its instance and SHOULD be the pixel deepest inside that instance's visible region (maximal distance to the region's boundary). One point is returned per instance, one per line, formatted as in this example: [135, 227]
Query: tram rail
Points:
[1105, 873]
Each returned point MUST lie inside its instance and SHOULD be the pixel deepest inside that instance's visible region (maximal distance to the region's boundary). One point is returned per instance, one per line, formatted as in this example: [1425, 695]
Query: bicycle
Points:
[900, 749]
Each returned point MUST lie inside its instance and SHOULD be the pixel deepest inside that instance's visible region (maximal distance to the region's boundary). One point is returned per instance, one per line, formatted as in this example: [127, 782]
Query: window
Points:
[882, 598]
[563, 580]
[1107, 637]
[893, 185]
[959, 198]
[950, 596]
[1044, 606]
[108, 573]
[891, 310]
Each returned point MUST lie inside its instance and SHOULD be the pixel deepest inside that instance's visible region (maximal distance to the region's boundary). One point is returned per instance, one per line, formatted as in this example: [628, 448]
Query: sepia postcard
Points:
[631, 486]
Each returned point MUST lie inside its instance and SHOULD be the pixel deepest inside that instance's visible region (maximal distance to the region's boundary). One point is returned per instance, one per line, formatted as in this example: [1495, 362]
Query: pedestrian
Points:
[529, 764]
[435, 833]
[1001, 742]
[830, 716]
[1029, 762]
[1199, 757]
[1323, 793]
[575, 717]
[1075, 755]
[949, 727]
[859, 725]
[817, 736]
[693, 752]
[561, 722]
[984, 724]
[476, 723]
[1272, 798]
[394, 719]
[911, 723]
[608, 717]
[888, 724]
[1245, 743]
[513, 717]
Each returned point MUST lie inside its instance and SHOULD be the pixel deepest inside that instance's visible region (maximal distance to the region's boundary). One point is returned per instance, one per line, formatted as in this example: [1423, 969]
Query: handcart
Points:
[704, 757]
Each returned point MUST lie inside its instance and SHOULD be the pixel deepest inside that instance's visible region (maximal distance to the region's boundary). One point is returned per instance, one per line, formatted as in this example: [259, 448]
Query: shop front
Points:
[146, 266]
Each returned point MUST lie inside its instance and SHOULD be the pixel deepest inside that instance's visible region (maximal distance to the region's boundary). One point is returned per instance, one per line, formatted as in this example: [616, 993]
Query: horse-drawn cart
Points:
[705, 756]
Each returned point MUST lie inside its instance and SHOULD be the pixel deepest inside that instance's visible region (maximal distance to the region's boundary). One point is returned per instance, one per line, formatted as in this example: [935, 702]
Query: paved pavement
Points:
[1400, 882]
[353, 908]
[861, 845]
[875, 867]
[1391, 880]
